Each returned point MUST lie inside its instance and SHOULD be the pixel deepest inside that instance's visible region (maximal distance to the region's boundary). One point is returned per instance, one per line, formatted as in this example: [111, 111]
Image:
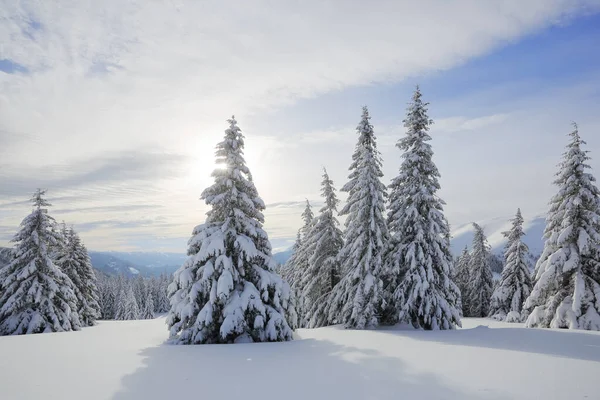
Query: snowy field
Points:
[128, 360]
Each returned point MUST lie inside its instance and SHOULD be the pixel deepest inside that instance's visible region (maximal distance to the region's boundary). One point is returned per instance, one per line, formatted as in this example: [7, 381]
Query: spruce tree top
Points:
[35, 224]
[307, 214]
[516, 232]
[233, 193]
[364, 180]
[418, 174]
[328, 193]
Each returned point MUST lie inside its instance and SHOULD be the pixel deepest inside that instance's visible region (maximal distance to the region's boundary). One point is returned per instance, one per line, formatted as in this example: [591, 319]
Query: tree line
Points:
[125, 298]
[390, 263]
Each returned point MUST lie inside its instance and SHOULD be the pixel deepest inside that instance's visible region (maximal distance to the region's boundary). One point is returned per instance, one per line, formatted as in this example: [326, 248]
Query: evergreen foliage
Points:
[75, 262]
[481, 283]
[515, 284]
[322, 245]
[227, 291]
[419, 260]
[35, 295]
[357, 300]
[566, 293]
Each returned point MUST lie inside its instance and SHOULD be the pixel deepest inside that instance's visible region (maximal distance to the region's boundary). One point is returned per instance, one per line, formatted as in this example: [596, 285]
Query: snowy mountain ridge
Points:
[136, 263]
[534, 230]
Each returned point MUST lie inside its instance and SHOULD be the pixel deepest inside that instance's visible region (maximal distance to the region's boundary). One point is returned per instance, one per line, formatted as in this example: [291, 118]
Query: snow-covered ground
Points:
[128, 360]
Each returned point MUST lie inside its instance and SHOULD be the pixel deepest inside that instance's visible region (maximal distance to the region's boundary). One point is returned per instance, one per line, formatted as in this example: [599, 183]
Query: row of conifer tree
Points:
[49, 285]
[383, 267]
[398, 269]
[125, 298]
[391, 263]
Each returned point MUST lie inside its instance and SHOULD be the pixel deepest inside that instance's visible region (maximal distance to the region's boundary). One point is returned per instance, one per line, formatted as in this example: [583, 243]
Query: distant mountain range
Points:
[534, 231]
[134, 263]
[156, 263]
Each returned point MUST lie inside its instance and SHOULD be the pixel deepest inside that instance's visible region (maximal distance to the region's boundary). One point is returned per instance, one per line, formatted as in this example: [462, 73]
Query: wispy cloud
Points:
[116, 106]
[123, 167]
[108, 209]
[464, 124]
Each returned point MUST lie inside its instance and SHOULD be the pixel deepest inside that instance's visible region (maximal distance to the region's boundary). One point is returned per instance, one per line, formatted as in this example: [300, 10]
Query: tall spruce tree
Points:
[566, 293]
[357, 300]
[227, 290]
[75, 262]
[36, 296]
[322, 247]
[462, 276]
[515, 285]
[419, 257]
[481, 284]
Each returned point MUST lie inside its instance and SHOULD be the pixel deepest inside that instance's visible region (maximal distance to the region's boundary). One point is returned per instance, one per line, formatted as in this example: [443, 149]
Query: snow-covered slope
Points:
[533, 228]
[128, 360]
[282, 256]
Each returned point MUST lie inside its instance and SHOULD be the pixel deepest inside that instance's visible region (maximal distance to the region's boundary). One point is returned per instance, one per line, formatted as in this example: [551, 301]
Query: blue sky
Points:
[117, 112]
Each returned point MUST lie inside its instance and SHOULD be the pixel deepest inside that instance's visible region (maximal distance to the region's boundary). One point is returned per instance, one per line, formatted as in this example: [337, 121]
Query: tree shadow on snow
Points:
[301, 369]
[579, 345]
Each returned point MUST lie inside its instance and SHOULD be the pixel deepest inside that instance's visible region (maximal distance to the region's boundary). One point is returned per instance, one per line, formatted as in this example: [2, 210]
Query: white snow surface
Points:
[129, 360]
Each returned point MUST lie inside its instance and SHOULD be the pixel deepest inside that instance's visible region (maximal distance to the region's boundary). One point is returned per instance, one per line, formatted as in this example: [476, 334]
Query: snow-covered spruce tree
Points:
[75, 262]
[357, 300]
[515, 284]
[566, 293]
[128, 308]
[296, 266]
[162, 304]
[322, 246]
[108, 295]
[227, 290]
[481, 284]
[298, 262]
[419, 257]
[461, 278]
[36, 296]
[148, 310]
[288, 269]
